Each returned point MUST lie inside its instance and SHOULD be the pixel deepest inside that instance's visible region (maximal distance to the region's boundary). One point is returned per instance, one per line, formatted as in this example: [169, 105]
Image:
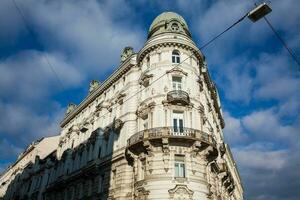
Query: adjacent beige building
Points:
[36, 150]
[151, 130]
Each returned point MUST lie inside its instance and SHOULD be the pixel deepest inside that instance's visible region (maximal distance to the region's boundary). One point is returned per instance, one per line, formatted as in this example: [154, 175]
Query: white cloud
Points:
[86, 31]
[8, 150]
[260, 156]
[265, 125]
[12, 30]
[27, 76]
[23, 125]
[233, 131]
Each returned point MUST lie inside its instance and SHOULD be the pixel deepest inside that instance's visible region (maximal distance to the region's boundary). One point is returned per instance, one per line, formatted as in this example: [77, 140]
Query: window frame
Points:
[175, 57]
[178, 122]
[179, 166]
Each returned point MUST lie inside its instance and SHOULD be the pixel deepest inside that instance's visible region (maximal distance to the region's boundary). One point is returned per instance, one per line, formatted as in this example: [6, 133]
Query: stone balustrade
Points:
[169, 132]
[178, 96]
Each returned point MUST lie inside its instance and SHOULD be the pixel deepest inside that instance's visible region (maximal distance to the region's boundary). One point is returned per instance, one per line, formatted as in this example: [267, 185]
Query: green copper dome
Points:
[168, 22]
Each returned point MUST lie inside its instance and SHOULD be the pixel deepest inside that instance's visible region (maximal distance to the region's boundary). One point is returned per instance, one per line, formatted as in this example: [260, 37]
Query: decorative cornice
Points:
[124, 67]
[213, 92]
[168, 42]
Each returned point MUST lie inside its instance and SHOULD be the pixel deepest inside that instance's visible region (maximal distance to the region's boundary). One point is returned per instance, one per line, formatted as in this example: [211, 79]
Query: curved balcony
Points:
[178, 96]
[169, 132]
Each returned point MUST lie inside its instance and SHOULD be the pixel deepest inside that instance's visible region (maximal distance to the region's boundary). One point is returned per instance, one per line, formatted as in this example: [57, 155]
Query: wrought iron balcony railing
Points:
[178, 96]
[170, 132]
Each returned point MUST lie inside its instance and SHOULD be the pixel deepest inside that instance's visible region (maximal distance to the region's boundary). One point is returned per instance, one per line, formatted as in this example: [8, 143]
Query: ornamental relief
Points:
[144, 79]
[181, 192]
[177, 71]
[127, 52]
[144, 109]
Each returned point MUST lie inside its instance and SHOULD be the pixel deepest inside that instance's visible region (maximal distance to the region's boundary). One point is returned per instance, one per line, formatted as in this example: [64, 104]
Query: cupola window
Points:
[175, 56]
[174, 27]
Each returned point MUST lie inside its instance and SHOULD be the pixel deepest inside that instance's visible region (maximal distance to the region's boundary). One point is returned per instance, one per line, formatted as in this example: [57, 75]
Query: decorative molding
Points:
[94, 84]
[144, 109]
[144, 79]
[177, 71]
[181, 191]
[70, 108]
[123, 68]
[127, 52]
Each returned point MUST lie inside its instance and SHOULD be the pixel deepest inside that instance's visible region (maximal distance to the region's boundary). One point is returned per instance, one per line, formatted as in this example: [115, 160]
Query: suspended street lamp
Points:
[259, 12]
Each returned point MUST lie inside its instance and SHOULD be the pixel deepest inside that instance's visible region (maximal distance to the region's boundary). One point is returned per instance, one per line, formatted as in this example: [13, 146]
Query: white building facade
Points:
[152, 130]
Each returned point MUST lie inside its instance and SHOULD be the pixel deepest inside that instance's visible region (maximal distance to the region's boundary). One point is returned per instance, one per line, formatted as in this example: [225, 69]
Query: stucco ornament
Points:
[93, 85]
[127, 52]
[181, 192]
[70, 108]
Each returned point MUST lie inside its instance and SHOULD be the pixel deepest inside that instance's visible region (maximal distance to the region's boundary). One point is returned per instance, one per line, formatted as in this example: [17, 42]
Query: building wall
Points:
[120, 141]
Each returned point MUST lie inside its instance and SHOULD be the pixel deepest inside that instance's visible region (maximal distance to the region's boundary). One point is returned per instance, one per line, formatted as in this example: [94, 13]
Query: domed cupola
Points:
[168, 22]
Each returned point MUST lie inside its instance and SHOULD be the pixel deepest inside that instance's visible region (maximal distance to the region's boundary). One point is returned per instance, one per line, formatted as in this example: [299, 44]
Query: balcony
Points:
[178, 97]
[169, 132]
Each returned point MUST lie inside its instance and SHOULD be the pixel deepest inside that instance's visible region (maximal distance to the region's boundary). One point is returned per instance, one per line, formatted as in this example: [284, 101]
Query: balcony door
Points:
[178, 123]
[177, 83]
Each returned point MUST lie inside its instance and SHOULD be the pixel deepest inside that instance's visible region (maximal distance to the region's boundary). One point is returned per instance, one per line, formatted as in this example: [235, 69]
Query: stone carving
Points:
[127, 52]
[141, 193]
[70, 108]
[117, 125]
[120, 98]
[177, 71]
[93, 85]
[144, 109]
[144, 79]
[181, 192]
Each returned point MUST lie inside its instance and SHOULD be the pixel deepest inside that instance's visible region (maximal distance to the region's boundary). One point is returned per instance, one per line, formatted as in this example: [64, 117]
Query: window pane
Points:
[174, 86]
[173, 59]
[179, 86]
[176, 170]
[175, 125]
[180, 125]
[176, 79]
[182, 170]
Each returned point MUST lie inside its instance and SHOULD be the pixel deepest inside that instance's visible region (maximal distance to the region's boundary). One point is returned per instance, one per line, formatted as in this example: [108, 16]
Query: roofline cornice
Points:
[165, 42]
[122, 69]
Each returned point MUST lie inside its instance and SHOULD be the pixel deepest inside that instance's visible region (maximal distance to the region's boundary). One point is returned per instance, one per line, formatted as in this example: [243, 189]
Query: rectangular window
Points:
[179, 166]
[176, 83]
[178, 125]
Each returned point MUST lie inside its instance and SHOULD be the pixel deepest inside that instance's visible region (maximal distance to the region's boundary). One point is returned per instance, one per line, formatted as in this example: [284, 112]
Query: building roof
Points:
[165, 18]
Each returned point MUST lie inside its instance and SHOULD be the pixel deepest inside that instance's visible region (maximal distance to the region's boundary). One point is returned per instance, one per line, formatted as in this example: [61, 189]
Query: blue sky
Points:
[257, 79]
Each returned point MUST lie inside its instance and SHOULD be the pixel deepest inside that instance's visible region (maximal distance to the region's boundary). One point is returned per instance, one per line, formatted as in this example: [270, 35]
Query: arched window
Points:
[175, 27]
[175, 56]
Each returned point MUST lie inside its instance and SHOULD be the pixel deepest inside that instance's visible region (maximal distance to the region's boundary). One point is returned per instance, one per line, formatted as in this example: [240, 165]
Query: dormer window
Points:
[175, 56]
[175, 27]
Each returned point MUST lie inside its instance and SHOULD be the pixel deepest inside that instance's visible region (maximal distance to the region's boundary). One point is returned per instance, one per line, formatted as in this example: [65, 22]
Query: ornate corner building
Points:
[151, 130]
